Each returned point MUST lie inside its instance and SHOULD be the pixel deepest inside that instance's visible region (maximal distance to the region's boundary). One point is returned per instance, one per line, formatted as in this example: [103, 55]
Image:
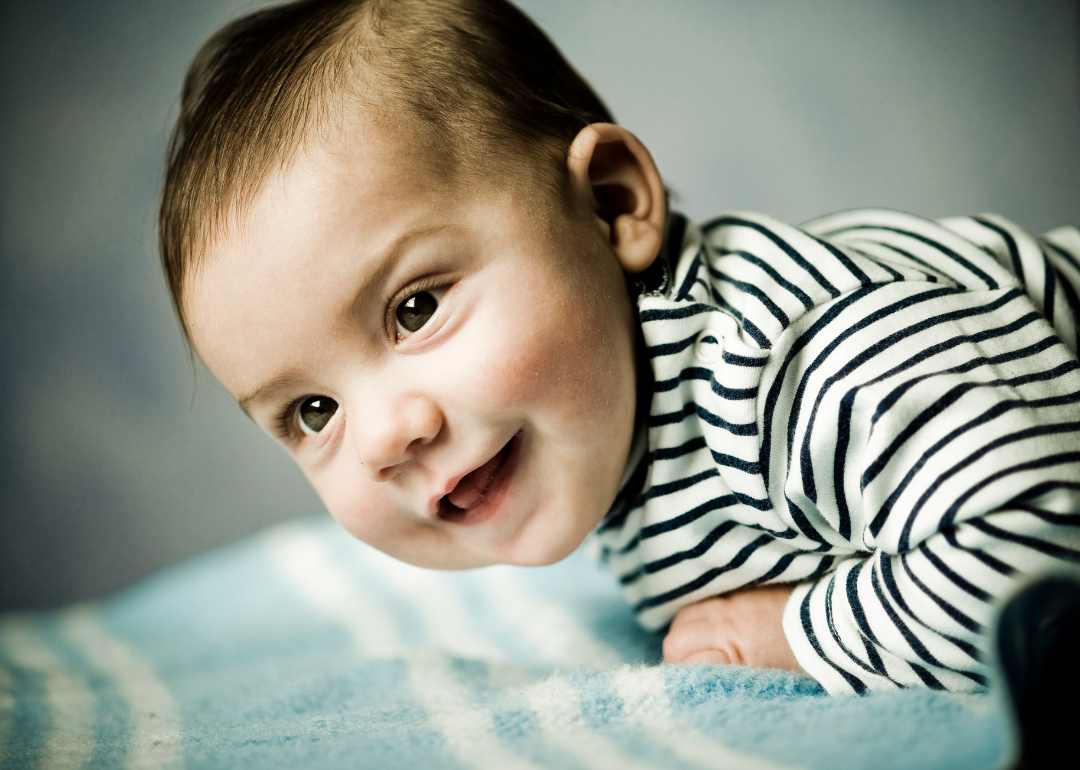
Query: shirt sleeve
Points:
[933, 432]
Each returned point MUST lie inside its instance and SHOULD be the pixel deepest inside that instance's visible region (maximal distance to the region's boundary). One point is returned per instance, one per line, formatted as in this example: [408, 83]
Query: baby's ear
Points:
[611, 169]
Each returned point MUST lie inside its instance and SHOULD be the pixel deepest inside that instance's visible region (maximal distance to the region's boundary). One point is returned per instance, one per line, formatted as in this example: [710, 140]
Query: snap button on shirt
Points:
[709, 348]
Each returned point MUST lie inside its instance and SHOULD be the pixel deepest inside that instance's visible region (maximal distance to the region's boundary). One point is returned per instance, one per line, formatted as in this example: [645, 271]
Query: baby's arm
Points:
[742, 627]
[925, 435]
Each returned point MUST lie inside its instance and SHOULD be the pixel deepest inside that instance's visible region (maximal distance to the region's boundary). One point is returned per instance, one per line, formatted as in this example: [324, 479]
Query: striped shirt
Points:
[882, 408]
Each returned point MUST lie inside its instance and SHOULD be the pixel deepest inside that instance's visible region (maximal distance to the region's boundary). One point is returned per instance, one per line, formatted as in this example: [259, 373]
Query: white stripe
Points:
[7, 705]
[311, 569]
[558, 710]
[467, 729]
[68, 698]
[554, 633]
[447, 621]
[644, 695]
[155, 730]
[308, 565]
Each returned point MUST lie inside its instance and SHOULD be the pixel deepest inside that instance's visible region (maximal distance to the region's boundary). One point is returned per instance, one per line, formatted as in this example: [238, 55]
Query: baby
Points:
[409, 240]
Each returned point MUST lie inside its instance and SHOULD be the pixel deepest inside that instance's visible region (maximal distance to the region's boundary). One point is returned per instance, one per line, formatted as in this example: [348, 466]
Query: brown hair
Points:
[477, 77]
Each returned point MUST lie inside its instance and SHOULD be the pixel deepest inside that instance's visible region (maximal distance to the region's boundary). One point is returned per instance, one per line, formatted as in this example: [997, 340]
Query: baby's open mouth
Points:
[470, 491]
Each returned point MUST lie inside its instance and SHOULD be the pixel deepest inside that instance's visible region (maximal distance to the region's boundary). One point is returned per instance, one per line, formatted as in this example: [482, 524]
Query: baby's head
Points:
[397, 231]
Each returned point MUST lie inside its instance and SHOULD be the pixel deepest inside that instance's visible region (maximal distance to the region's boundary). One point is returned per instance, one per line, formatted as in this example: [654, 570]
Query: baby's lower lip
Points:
[481, 504]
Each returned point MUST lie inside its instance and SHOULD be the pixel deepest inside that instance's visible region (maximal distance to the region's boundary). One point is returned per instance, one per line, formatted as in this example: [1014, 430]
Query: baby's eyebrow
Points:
[260, 393]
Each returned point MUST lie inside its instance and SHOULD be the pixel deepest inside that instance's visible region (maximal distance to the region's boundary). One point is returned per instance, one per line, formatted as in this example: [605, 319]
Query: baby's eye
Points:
[417, 310]
[315, 412]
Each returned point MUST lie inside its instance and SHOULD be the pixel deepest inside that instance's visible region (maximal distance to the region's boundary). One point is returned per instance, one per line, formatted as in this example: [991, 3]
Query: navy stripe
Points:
[698, 550]
[992, 562]
[1010, 244]
[704, 578]
[913, 641]
[695, 513]
[847, 404]
[670, 348]
[868, 320]
[795, 291]
[846, 261]
[708, 375]
[875, 666]
[786, 247]
[730, 461]
[851, 591]
[1002, 358]
[690, 408]
[745, 323]
[755, 292]
[739, 360]
[951, 396]
[949, 609]
[662, 490]
[987, 416]
[691, 277]
[685, 448]
[776, 570]
[673, 314]
[802, 521]
[808, 629]
[794, 351]
[933, 276]
[806, 461]
[1069, 257]
[889, 580]
[1042, 546]
[1049, 289]
[1066, 286]
[960, 582]
[956, 257]
[883, 265]
[1049, 461]
[1050, 517]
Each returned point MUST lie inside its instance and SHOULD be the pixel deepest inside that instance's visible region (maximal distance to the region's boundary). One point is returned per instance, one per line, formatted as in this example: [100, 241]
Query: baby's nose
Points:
[392, 433]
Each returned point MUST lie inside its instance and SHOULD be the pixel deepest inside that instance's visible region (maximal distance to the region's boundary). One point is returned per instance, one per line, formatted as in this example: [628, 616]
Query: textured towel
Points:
[303, 648]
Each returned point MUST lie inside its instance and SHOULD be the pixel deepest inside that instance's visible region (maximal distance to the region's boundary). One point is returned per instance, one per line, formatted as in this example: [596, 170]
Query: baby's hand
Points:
[742, 627]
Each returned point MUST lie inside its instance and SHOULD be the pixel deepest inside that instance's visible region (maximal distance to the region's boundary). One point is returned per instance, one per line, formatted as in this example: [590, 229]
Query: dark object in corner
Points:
[1038, 640]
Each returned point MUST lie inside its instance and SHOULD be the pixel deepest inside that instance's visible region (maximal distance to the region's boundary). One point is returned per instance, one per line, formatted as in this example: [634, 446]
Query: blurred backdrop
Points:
[113, 463]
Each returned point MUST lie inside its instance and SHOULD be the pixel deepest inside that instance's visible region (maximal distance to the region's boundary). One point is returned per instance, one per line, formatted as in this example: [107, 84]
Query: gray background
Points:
[111, 464]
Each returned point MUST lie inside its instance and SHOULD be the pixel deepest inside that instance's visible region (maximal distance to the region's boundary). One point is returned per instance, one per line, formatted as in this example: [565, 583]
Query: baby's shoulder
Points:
[984, 252]
[769, 272]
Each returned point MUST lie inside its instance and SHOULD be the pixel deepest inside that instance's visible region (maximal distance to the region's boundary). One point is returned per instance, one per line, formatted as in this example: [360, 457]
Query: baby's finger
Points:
[710, 656]
[703, 610]
[691, 638]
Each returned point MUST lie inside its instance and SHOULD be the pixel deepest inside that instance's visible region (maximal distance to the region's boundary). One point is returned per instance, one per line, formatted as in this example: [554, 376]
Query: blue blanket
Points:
[302, 648]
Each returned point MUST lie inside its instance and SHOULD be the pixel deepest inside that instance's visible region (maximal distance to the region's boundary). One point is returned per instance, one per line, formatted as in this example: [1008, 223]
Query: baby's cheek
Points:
[360, 506]
[560, 355]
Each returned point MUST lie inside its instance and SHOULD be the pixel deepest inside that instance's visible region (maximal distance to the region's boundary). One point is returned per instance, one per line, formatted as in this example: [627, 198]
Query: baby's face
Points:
[449, 360]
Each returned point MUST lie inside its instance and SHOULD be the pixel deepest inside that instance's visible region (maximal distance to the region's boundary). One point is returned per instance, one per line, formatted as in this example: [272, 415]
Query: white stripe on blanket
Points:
[312, 570]
[465, 727]
[558, 709]
[645, 702]
[67, 696]
[155, 740]
[553, 631]
[446, 620]
[306, 563]
[7, 704]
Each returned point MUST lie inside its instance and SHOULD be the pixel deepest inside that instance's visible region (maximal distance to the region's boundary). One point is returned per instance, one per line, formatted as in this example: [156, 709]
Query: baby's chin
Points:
[524, 550]
[543, 542]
